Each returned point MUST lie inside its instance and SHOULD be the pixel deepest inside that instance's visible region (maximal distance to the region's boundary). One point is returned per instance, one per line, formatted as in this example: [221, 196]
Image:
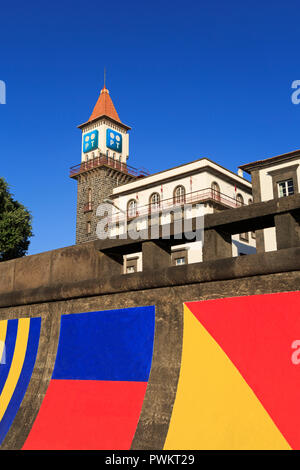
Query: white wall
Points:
[101, 126]
[199, 182]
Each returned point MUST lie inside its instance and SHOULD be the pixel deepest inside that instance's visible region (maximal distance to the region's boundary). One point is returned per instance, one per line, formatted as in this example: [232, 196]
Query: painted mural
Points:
[19, 341]
[98, 384]
[238, 379]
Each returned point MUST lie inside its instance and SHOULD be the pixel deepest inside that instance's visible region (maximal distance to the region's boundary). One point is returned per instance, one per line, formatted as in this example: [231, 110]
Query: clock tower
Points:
[104, 155]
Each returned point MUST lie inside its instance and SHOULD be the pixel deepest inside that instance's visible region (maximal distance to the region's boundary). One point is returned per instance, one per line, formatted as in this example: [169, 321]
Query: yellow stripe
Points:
[214, 406]
[3, 329]
[16, 365]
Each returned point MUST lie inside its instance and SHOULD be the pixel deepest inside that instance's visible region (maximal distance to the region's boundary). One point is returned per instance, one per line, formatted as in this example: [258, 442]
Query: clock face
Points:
[90, 141]
[114, 140]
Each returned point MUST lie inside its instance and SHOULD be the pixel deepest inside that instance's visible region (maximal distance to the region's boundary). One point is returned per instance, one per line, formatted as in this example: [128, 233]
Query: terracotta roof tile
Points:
[104, 106]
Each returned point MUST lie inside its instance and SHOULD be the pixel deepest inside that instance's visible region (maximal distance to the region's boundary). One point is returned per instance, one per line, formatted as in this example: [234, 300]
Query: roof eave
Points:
[248, 167]
[119, 123]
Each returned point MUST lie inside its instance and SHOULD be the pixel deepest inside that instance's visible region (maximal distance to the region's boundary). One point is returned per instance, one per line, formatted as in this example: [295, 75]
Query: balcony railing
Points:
[105, 160]
[165, 205]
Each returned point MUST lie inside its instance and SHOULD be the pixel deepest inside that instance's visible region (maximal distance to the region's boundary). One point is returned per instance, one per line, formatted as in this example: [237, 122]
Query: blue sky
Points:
[193, 79]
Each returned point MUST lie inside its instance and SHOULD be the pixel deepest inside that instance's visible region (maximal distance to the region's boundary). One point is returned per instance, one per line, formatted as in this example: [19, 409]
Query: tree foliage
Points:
[15, 225]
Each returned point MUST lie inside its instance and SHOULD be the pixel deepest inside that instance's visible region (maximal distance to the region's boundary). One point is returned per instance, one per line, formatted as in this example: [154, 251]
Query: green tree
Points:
[15, 225]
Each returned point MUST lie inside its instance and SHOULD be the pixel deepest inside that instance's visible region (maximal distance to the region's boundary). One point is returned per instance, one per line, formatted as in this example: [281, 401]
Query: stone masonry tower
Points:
[104, 154]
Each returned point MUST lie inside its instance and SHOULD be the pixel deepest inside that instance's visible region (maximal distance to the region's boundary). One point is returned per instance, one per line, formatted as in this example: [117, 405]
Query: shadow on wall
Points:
[242, 248]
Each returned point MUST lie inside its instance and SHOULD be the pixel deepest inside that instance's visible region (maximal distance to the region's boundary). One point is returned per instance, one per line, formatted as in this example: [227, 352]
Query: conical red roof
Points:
[104, 107]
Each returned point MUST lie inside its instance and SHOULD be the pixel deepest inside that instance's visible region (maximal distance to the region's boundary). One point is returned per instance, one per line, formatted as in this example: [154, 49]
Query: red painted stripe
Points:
[256, 333]
[87, 415]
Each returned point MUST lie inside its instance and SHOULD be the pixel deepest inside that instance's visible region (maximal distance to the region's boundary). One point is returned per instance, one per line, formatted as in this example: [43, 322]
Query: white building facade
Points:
[273, 178]
[200, 187]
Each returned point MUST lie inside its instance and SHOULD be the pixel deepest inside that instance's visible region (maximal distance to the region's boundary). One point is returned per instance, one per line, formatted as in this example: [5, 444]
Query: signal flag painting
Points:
[238, 378]
[19, 339]
[239, 381]
[99, 381]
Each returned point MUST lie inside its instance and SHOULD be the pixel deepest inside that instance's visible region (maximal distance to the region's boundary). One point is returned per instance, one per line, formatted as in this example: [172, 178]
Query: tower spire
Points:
[104, 77]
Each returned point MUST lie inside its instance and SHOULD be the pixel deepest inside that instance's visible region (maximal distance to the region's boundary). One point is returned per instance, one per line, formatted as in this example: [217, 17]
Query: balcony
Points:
[165, 205]
[105, 160]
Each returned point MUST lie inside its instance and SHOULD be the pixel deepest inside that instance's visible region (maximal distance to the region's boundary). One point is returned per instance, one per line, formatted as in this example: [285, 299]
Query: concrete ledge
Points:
[82, 276]
[71, 264]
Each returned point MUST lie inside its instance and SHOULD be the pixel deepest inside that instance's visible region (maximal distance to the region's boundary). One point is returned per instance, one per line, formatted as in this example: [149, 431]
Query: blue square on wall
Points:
[90, 141]
[114, 140]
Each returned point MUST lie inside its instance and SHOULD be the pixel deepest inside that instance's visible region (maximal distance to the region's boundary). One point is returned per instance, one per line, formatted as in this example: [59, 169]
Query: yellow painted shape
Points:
[16, 365]
[214, 407]
[3, 329]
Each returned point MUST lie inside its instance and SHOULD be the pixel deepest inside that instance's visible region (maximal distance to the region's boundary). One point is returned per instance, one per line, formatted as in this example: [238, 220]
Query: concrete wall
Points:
[76, 281]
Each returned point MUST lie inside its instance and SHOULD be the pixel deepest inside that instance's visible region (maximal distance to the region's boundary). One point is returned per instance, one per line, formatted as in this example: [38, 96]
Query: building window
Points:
[286, 188]
[131, 208]
[244, 237]
[179, 257]
[88, 228]
[130, 269]
[215, 189]
[131, 265]
[285, 181]
[239, 200]
[179, 195]
[250, 201]
[154, 201]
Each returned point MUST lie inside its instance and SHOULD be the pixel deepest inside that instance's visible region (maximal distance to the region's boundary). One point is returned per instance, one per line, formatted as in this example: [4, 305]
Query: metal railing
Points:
[105, 160]
[165, 205]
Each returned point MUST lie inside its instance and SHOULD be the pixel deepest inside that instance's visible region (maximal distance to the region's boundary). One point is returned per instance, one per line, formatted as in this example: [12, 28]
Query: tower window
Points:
[179, 195]
[88, 228]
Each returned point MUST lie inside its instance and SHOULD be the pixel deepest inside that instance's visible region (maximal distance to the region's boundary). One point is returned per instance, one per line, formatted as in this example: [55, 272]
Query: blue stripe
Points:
[107, 345]
[24, 379]
[10, 341]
